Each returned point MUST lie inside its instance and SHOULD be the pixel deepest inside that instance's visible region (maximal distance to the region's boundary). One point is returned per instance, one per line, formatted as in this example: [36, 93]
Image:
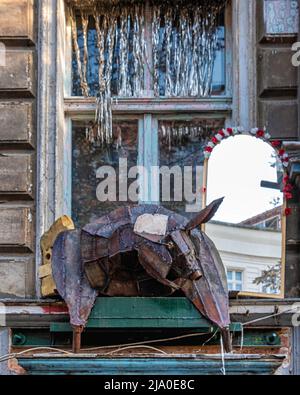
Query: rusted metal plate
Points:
[210, 293]
[119, 262]
[70, 279]
[108, 224]
[93, 248]
[155, 259]
[205, 215]
[122, 240]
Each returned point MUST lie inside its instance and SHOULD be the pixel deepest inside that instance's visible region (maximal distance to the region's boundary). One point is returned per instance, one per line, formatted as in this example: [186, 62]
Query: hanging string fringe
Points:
[184, 45]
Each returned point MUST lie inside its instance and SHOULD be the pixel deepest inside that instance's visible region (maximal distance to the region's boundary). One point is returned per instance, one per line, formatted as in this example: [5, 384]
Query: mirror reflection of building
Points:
[248, 230]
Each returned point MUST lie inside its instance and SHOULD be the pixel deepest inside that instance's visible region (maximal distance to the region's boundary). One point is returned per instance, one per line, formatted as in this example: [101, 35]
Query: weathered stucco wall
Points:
[278, 103]
[18, 80]
[276, 76]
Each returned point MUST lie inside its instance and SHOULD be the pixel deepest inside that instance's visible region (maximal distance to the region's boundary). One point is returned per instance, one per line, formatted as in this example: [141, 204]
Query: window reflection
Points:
[181, 144]
[88, 157]
[247, 229]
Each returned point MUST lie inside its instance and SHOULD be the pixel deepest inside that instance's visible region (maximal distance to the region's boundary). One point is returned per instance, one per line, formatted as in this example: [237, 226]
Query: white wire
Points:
[131, 347]
[223, 369]
[145, 342]
[126, 345]
[242, 338]
[207, 341]
[271, 316]
[14, 355]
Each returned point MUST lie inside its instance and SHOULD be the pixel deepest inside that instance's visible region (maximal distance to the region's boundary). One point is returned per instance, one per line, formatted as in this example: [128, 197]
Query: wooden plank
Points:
[16, 228]
[143, 313]
[48, 287]
[145, 308]
[41, 313]
[179, 366]
[44, 319]
[45, 270]
[16, 174]
[76, 105]
[136, 323]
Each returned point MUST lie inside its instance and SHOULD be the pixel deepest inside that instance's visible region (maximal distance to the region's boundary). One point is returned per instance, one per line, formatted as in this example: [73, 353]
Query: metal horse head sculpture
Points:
[143, 250]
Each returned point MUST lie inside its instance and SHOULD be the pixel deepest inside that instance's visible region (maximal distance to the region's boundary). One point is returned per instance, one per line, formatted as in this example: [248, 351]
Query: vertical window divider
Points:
[148, 157]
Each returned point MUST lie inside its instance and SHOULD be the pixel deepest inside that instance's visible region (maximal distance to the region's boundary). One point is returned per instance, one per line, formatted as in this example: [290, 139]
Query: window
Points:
[273, 223]
[87, 158]
[181, 49]
[159, 99]
[235, 280]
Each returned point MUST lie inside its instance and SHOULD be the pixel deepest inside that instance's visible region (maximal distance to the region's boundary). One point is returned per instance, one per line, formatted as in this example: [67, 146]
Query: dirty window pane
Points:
[166, 47]
[93, 60]
[88, 158]
[181, 144]
[187, 69]
[238, 276]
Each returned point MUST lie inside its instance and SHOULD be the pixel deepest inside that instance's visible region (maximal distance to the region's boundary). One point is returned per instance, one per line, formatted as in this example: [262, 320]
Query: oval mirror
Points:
[249, 227]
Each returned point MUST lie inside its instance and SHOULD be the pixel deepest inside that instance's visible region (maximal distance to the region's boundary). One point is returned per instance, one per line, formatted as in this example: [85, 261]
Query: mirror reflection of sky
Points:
[236, 169]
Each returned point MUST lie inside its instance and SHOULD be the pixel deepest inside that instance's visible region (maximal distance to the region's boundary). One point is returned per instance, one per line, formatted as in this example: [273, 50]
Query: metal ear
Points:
[205, 215]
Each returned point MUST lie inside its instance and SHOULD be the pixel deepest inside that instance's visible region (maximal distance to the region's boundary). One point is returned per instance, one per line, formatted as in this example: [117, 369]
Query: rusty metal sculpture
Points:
[119, 255]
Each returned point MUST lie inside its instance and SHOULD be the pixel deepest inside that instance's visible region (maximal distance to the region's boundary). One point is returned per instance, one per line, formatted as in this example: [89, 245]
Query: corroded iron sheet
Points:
[70, 279]
[119, 262]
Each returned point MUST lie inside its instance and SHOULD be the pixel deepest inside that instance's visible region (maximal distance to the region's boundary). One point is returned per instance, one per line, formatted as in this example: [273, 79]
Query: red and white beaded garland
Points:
[261, 134]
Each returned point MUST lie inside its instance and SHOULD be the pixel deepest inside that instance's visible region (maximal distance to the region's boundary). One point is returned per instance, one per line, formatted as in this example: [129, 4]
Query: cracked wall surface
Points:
[18, 80]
